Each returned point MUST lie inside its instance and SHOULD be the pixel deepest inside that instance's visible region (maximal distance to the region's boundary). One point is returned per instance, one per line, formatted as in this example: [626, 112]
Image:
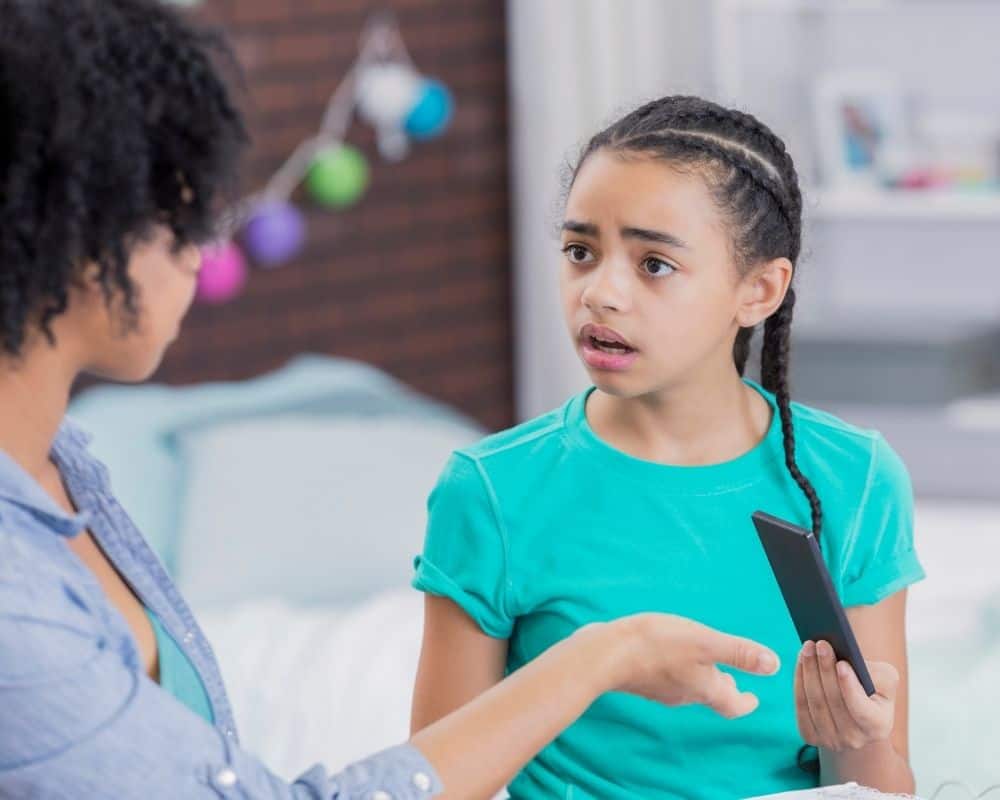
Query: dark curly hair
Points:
[113, 118]
[754, 184]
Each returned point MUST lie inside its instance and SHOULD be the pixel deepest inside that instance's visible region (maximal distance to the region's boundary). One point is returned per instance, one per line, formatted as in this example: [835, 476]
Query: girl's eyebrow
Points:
[645, 234]
[583, 228]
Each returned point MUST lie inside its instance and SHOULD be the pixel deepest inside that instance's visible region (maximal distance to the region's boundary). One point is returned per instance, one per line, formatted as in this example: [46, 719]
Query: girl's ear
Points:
[762, 291]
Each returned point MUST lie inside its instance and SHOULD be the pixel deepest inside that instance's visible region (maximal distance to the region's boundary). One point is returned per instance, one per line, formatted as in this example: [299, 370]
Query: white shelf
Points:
[838, 6]
[931, 205]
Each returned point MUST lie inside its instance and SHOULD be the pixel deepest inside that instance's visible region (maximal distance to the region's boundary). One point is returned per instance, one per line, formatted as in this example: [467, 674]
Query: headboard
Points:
[415, 278]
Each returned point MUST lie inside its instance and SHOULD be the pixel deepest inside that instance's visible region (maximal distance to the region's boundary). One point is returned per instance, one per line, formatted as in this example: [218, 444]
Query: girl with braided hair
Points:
[681, 235]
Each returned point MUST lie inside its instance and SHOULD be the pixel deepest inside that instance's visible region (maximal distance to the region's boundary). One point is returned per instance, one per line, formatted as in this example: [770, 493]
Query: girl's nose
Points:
[607, 290]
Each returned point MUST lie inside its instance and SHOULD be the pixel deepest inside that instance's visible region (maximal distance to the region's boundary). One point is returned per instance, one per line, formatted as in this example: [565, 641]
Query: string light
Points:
[386, 90]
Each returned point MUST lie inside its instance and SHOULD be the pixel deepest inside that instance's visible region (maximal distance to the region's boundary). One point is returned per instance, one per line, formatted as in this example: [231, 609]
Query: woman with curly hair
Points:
[117, 141]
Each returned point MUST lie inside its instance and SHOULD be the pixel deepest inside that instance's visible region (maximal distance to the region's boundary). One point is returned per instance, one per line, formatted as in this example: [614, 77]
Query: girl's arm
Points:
[458, 662]
[477, 749]
[862, 739]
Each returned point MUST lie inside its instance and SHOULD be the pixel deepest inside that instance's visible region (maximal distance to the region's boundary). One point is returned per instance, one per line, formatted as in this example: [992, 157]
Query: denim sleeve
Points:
[81, 719]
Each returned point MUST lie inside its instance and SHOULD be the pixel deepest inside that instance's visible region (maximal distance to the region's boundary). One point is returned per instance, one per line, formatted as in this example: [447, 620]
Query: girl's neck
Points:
[34, 394]
[709, 419]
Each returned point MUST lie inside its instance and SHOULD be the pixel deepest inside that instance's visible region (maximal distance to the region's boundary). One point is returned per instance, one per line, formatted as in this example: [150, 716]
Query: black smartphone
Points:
[807, 587]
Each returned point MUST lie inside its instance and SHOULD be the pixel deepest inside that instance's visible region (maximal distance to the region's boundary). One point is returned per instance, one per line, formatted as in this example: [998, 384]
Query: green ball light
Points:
[338, 176]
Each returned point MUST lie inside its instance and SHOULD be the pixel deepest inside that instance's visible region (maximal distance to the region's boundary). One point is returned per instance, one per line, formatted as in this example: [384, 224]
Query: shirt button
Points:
[188, 637]
[230, 733]
[225, 778]
[380, 795]
[422, 781]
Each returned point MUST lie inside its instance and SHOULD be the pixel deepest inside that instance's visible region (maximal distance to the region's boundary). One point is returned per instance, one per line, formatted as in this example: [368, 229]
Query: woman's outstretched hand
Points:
[479, 747]
[676, 661]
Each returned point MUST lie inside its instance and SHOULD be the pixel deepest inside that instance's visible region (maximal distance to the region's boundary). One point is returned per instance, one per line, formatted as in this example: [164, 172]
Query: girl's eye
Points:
[657, 268]
[577, 253]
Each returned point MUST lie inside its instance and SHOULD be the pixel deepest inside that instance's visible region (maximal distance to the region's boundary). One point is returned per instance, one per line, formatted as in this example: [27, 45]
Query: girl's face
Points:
[164, 283]
[650, 291]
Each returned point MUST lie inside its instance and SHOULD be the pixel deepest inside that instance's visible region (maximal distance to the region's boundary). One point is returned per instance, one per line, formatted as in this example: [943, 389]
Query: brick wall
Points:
[415, 278]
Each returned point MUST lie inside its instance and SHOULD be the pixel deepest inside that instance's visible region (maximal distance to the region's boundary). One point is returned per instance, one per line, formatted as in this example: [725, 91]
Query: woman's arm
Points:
[862, 739]
[458, 662]
[479, 748]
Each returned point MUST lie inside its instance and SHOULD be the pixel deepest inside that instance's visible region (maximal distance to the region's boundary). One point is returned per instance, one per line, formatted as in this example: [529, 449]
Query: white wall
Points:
[574, 66]
[577, 64]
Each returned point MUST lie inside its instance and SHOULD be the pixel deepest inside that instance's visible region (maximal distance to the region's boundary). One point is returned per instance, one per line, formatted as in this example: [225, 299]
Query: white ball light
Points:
[393, 144]
[386, 93]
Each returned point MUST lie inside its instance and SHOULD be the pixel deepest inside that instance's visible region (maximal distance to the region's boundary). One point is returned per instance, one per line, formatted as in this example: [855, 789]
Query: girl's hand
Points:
[831, 706]
[674, 661]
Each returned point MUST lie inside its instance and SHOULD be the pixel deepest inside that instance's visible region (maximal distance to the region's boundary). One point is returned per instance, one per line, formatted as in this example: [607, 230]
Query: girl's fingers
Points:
[865, 710]
[848, 732]
[856, 699]
[816, 697]
[805, 721]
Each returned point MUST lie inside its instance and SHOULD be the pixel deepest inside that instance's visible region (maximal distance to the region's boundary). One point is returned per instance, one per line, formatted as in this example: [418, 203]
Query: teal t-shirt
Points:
[543, 528]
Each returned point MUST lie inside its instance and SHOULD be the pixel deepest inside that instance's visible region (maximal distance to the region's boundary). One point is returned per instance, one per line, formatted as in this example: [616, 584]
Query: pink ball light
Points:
[223, 273]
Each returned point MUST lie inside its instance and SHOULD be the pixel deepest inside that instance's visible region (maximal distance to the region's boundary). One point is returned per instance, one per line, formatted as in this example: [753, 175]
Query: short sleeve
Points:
[465, 550]
[880, 555]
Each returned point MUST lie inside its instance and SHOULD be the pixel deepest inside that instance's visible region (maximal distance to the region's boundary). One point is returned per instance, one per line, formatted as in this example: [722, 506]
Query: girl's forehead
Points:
[642, 191]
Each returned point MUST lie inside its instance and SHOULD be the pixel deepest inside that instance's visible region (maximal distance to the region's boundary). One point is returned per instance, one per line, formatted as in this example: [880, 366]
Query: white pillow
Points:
[311, 509]
[319, 685]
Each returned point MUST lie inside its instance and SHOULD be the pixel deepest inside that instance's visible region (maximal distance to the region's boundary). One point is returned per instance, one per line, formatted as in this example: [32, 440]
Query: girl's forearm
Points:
[479, 748]
[878, 766]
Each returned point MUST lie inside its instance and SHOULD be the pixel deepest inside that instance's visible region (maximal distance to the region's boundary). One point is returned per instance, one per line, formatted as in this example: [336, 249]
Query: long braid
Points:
[774, 376]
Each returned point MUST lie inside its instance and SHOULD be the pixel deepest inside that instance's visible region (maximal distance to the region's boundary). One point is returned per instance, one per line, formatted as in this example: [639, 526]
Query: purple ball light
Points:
[275, 233]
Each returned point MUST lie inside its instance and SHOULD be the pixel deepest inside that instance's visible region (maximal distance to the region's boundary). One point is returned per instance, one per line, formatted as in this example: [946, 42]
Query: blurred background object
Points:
[418, 267]
[402, 260]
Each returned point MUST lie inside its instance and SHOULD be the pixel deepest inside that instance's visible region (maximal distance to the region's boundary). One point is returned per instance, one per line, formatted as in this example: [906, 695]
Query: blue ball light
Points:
[432, 112]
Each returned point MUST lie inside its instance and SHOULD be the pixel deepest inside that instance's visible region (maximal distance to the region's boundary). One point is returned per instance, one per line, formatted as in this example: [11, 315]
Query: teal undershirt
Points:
[177, 673]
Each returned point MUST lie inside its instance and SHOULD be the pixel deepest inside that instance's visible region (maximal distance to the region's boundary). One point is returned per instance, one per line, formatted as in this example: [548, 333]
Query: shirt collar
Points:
[18, 488]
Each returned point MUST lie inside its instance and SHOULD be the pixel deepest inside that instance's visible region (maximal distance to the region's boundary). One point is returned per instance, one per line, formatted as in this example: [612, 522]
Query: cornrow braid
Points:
[753, 181]
[731, 157]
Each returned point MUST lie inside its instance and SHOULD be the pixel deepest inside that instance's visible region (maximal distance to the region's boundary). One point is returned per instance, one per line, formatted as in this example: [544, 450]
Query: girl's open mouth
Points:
[605, 348]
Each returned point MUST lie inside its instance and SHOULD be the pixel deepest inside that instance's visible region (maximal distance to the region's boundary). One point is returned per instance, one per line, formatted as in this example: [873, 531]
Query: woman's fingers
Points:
[743, 654]
[723, 696]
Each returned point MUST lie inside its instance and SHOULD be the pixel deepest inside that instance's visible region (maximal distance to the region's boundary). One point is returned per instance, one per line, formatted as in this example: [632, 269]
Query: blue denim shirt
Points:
[79, 718]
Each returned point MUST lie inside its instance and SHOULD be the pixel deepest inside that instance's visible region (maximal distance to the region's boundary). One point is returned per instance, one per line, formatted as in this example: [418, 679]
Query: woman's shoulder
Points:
[46, 618]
